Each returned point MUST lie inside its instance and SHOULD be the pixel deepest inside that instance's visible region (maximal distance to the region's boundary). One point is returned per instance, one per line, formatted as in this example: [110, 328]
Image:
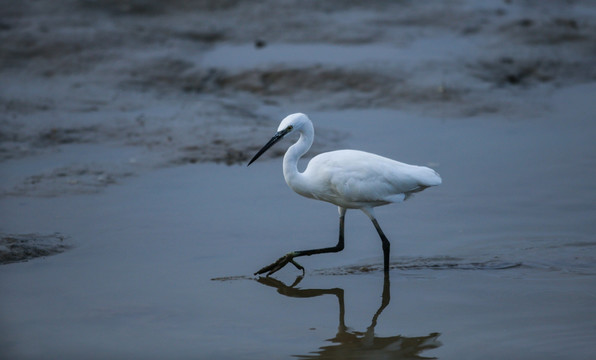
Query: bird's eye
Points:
[290, 127]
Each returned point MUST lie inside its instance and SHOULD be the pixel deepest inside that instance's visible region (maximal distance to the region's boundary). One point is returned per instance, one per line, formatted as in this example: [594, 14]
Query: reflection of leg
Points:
[292, 291]
[289, 258]
[386, 297]
[342, 312]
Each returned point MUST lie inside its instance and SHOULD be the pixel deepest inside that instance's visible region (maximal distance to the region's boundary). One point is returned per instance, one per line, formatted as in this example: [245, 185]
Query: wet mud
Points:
[23, 247]
[137, 73]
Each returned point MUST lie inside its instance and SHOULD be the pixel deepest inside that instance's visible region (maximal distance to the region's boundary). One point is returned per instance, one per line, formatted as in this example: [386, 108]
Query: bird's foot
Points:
[280, 263]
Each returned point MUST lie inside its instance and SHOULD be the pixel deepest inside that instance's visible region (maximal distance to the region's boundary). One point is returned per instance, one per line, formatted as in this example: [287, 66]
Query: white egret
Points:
[349, 179]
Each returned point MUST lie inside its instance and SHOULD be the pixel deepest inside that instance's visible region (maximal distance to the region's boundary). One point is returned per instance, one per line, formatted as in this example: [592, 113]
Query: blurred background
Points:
[206, 81]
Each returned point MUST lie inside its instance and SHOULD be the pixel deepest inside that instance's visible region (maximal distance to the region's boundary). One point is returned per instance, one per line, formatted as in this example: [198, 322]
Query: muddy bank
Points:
[23, 247]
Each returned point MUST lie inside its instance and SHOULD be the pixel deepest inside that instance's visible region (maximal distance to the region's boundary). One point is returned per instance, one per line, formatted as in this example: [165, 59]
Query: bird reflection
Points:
[351, 344]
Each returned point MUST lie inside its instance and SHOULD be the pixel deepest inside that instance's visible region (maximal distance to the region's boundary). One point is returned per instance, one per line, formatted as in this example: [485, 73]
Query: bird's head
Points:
[293, 122]
[290, 123]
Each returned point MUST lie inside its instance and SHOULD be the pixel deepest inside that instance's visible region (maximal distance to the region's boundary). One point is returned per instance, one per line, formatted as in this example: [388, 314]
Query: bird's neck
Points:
[290, 167]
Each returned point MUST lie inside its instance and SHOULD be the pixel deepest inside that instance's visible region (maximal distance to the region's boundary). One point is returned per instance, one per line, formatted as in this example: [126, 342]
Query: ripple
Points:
[433, 263]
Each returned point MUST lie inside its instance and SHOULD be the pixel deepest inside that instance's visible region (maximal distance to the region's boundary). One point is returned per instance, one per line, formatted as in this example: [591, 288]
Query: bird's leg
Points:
[280, 263]
[289, 257]
[386, 245]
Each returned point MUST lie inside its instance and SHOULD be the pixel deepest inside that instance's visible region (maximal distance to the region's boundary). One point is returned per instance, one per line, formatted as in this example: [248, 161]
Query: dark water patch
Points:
[218, 150]
[511, 71]
[73, 179]
[17, 141]
[161, 72]
[45, 52]
[321, 86]
[284, 81]
[276, 81]
[60, 136]
[202, 36]
[143, 8]
[20, 106]
[125, 7]
[549, 31]
[23, 247]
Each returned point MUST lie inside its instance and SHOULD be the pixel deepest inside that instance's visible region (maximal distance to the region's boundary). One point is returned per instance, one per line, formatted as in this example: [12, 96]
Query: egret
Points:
[349, 179]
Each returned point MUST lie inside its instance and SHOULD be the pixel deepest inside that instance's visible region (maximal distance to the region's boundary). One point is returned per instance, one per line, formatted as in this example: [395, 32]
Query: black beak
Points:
[278, 136]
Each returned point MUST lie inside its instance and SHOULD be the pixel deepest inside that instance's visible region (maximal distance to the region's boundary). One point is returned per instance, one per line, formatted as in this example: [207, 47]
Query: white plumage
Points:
[350, 179]
[355, 179]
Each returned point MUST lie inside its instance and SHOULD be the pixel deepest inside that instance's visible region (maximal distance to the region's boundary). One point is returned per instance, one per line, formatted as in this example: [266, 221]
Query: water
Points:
[102, 105]
[497, 262]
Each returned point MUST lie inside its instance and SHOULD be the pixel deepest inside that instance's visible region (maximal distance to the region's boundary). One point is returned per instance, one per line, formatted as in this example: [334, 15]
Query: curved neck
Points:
[294, 153]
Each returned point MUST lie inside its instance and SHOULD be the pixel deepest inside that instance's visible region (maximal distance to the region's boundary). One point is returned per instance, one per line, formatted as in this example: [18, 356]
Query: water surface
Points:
[497, 262]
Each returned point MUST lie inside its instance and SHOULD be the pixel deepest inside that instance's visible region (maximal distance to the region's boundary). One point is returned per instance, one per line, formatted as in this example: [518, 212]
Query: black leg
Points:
[289, 258]
[386, 245]
[336, 248]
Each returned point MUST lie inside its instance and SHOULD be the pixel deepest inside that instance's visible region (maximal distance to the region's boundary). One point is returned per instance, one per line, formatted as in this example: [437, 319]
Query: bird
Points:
[349, 179]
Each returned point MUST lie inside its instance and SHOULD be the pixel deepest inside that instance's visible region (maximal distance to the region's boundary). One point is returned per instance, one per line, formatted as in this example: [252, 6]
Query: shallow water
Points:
[497, 262]
[101, 110]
